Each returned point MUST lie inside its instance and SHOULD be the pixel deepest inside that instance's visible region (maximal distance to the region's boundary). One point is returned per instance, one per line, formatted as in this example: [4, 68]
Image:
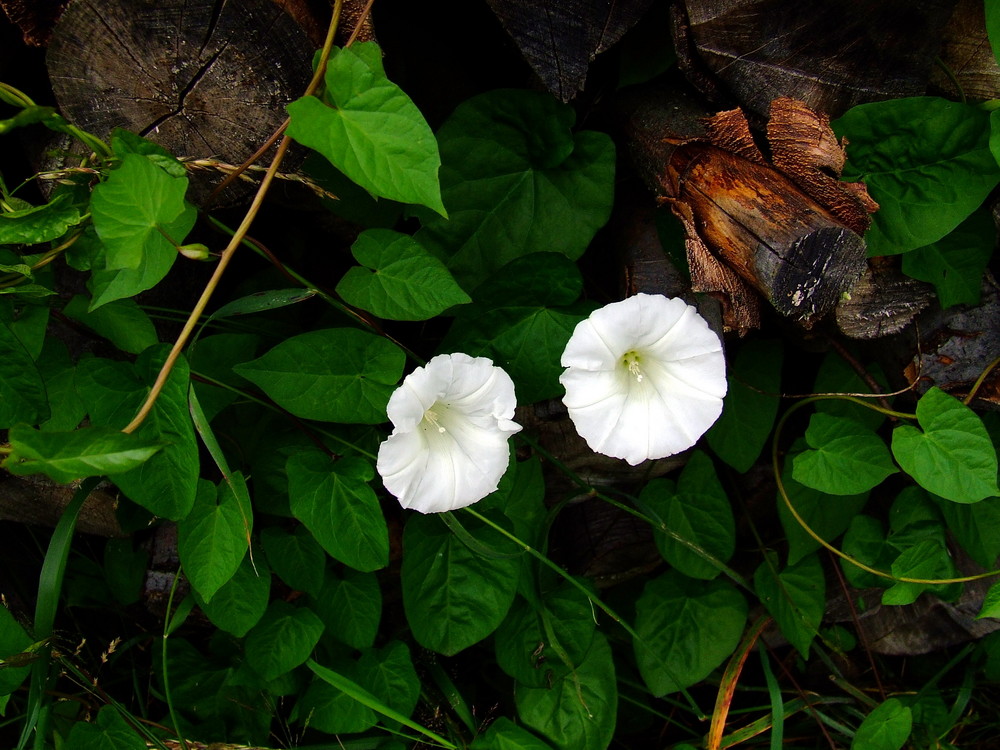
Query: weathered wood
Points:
[559, 38]
[968, 66]
[831, 54]
[39, 501]
[201, 78]
[35, 18]
[882, 302]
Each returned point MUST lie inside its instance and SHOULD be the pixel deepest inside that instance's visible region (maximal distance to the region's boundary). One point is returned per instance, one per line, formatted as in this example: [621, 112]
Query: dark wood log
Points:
[968, 66]
[882, 302]
[831, 54]
[203, 78]
[791, 233]
[559, 38]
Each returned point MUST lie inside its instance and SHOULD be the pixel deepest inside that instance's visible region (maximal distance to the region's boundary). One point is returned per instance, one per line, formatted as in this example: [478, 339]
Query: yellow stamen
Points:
[631, 361]
[431, 416]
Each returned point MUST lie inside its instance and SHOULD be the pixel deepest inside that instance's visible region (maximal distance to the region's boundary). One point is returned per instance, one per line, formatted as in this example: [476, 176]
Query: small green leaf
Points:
[212, 539]
[405, 281]
[295, 557]
[22, 392]
[503, 734]
[976, 527]
[124, 142]
[271, 299]
[579, 711]
[13, 642]
[521, 319]
[687, 628]
[955, 263]
[282, 640]
[887, 727]
[370, 130]
[517, 180]
[109, 732]
[827, 515]
[750, 406]
[452, 596]
[952, 454]
[925, 160]
[794, 597]
[865, 541]
[330, 375]
[333, 711]
[65, 456]
[991, 603]
[335, 502]
[133, 209]
[351, 607]
[31, 226]
[846, 458]
[928, 560]
[698, 511]
[836, 375]
[122, 322]
[242, 600]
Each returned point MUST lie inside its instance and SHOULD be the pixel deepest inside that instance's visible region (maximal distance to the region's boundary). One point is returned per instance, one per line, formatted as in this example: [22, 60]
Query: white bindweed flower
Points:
[644, 378]
[451, 421]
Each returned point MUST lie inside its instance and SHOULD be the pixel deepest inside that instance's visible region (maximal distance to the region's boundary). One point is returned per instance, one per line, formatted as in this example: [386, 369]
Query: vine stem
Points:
[235, 240]
[776, 466]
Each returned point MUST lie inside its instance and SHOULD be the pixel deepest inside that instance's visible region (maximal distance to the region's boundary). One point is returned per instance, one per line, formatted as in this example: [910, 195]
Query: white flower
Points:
[451, 421]
[644, 378]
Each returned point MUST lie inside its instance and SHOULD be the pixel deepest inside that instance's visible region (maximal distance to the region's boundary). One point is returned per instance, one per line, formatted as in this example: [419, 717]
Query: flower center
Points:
[432, 417]
[631, 360]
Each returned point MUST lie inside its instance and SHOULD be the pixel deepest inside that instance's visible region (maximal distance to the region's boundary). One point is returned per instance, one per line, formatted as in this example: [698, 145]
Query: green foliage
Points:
[955, 263]
[405, 281]
[453, 596]
[37, 224]
[750, 406]
[925, 160]
[886, 728]
[65, 456]
[370, 130]
[698, 511]
[22, 392]
[350, 607]
[282, 639]
[109, 732]
[517, 180]
[795, 597]
[331, 375]
[843, 458]
[686, 629]
[241, 601]
[950, 454]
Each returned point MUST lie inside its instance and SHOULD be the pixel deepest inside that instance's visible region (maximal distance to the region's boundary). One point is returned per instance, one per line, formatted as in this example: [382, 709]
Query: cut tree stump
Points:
[202, 78]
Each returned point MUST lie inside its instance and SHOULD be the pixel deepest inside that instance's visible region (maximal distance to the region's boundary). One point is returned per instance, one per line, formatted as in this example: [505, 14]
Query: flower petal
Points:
[665, 405]
[459, 456]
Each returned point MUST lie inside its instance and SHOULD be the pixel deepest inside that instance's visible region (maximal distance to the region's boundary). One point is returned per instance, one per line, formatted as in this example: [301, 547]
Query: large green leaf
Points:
[398, 279]
[955, 263]
[122, 322]
[331, 710]
[521, 319]
[951, 454]
[533, 639]
[22, 392]
[453, 597]
[579, 710]
[335, 502]
[113, 391]
[30, 226]
[242, 600]
[698, 510]
[976, 527]
[885, 728]
[283, 639]
[109, 732]
[350, 606]
[331, 375]
[133, 209]
[212, 540]
[517, 180]
[370, 130]
[843, 458]
[925, 160]
[65, 456]
[794, 597]
[296, 557]
[686, 628]
[750, 406]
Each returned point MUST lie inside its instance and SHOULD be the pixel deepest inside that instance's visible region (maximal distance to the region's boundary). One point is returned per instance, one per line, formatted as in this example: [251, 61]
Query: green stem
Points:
[163, 663]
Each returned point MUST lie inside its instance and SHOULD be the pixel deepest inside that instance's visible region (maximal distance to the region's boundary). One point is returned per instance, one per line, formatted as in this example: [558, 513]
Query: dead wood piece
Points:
[882, 302]
[201, 78]
[968, 66]
[35, 18]
[831, 54]
[559, 38]
[39, 501]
